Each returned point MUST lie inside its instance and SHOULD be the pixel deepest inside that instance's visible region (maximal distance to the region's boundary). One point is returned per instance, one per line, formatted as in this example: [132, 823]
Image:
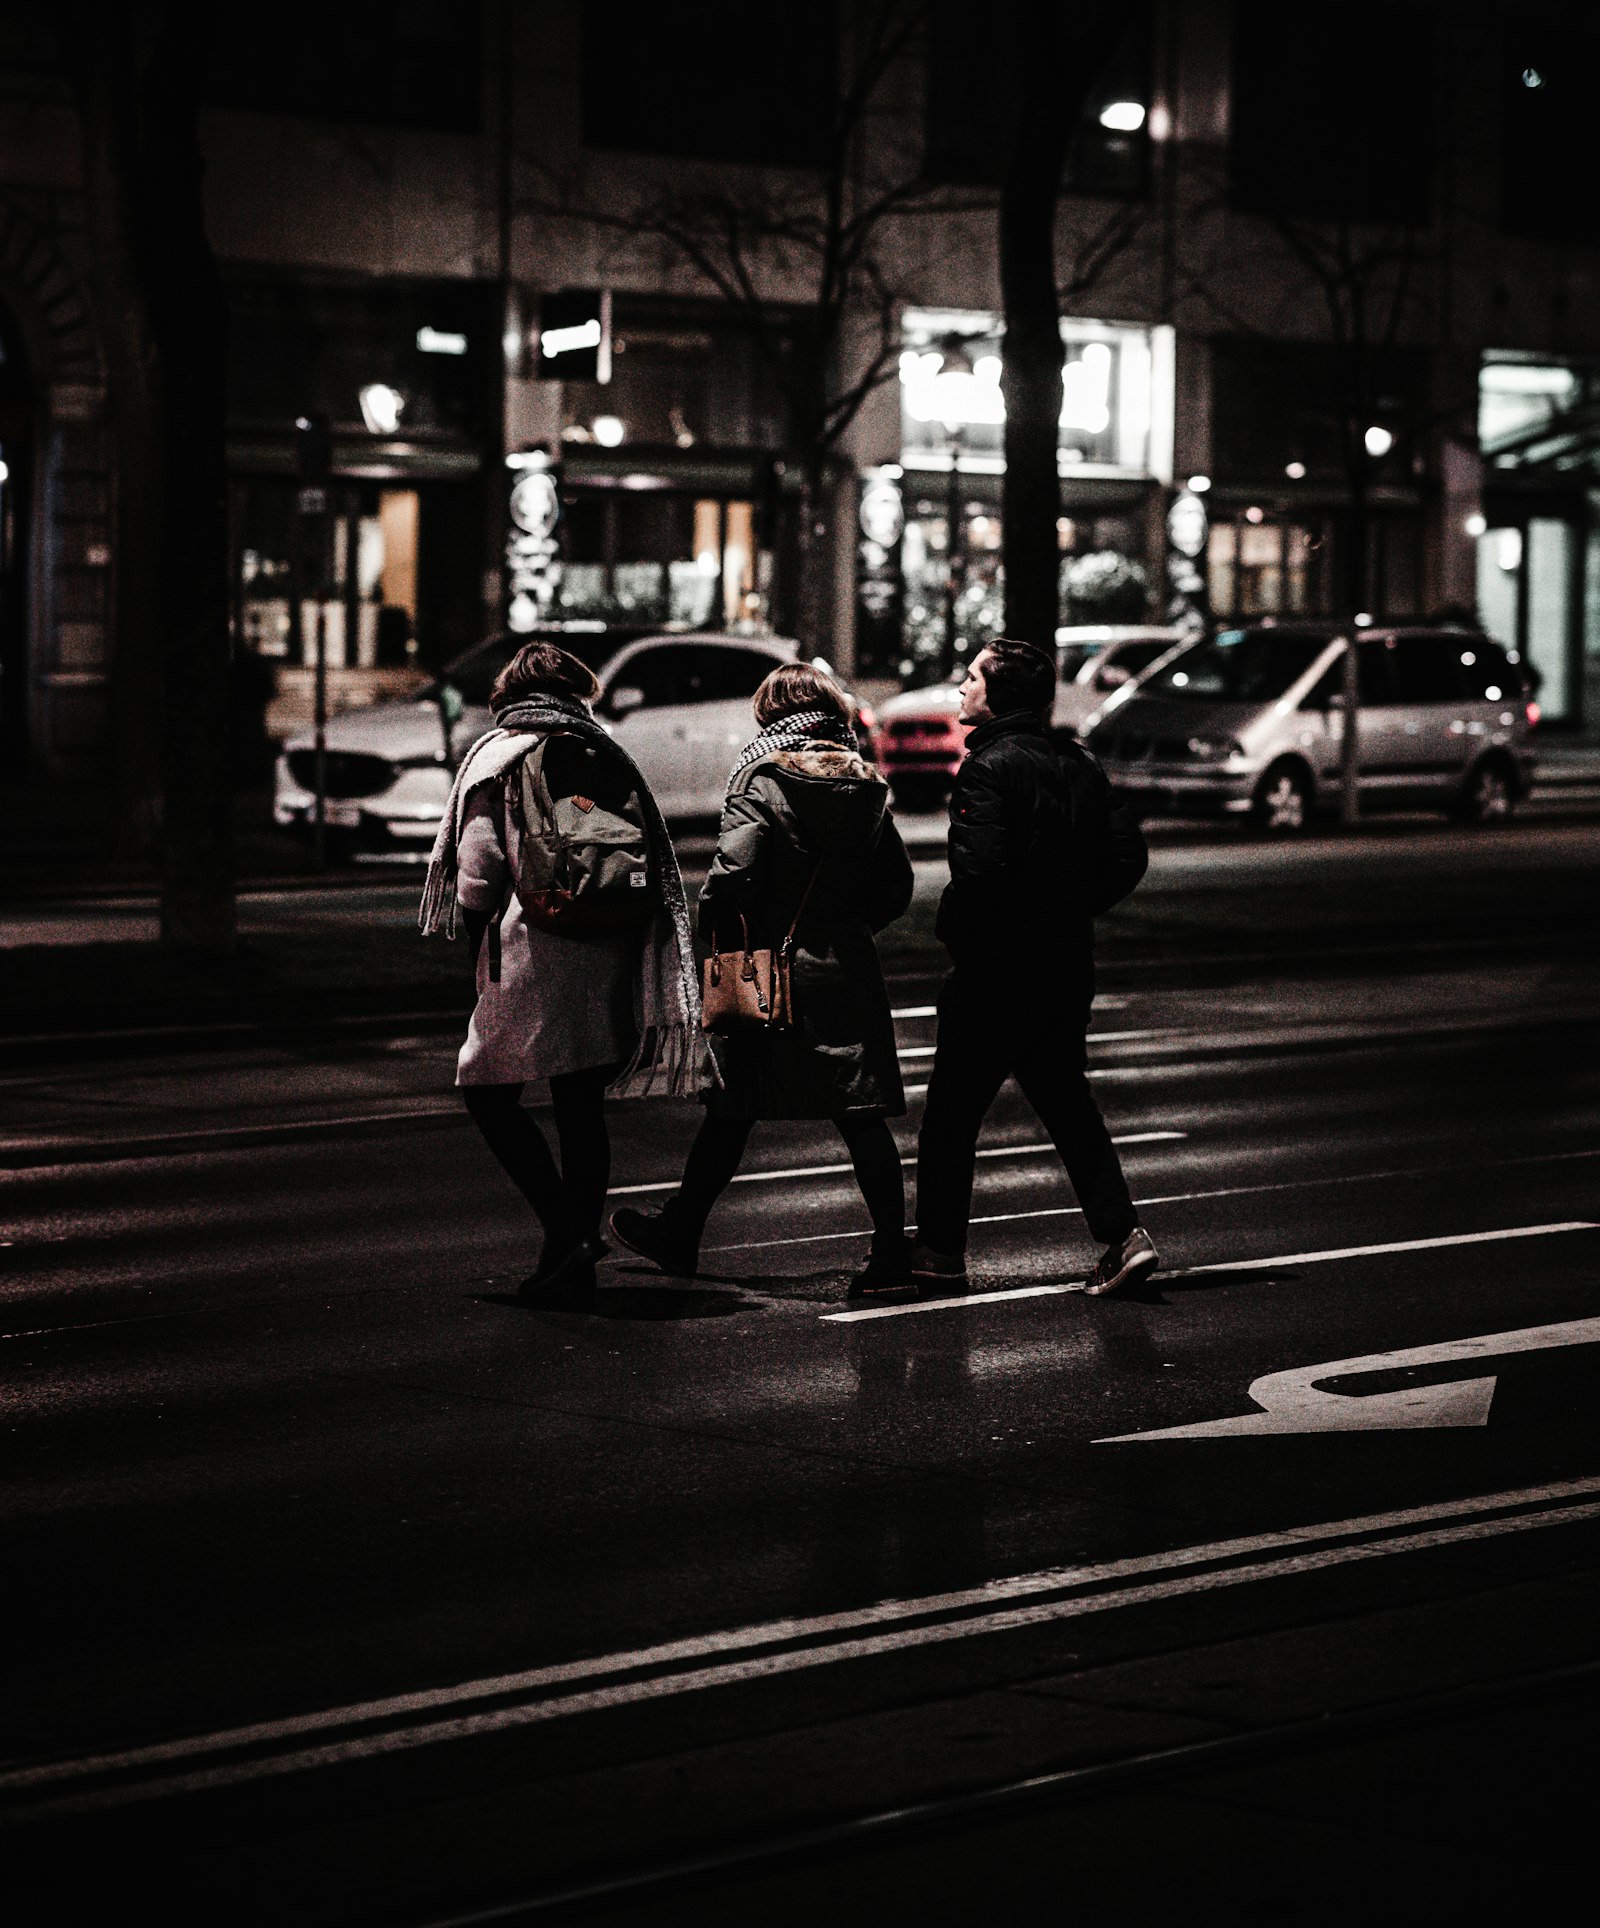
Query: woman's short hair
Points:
[542, 669]
[797, 686]
[1017, 676]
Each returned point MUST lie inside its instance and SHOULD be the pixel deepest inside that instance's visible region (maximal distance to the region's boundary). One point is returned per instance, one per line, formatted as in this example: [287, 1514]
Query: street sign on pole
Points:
[1350, 737]
[313, 450]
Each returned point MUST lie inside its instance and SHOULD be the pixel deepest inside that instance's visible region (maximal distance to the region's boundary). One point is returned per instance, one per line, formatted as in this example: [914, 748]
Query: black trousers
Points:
[987, 1033]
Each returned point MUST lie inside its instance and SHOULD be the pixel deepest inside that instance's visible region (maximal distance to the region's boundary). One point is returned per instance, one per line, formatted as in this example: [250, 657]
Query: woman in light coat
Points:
[592, 1013]
[805, 827]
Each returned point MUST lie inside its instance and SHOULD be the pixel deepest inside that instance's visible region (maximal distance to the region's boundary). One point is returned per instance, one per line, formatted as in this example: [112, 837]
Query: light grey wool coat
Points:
[561, 1003]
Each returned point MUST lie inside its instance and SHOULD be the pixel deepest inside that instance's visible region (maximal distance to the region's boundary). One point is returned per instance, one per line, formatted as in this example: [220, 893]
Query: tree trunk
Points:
[191, 323]
[101, 56]
[1057, 55]
[137, 78]
[812, 598]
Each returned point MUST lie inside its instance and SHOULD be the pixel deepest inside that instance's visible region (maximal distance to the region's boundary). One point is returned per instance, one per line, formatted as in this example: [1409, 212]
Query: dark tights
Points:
[718, 1151]
[567, 1202]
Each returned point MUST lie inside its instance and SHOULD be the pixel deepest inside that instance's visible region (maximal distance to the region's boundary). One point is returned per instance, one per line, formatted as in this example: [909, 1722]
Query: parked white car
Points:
[680, 705]
[1095, 659]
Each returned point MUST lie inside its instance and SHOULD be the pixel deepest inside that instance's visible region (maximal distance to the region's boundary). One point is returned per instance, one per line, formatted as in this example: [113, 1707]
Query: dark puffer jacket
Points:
[782, 815]
[1036, 849]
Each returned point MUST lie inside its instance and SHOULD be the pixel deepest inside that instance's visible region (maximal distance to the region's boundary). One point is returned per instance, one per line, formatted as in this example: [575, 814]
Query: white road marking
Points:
[1299, 1258]
[827, 1171]
[940, 1305]
[1293, 1402]
[1094, 1037]
[880, 1628]
[932, 1010]
[1400, 1245]
[1187, 1198]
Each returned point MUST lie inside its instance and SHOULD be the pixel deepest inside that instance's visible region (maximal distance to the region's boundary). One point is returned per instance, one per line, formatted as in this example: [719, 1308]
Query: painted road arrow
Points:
[1293, 1401]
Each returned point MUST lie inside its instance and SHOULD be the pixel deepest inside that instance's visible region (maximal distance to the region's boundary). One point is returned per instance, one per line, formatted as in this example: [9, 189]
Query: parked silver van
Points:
[1250, 722]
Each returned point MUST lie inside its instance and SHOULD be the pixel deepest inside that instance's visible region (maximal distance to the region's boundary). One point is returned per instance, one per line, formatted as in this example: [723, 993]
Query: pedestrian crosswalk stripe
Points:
[829, 1171]
[1224, 1265]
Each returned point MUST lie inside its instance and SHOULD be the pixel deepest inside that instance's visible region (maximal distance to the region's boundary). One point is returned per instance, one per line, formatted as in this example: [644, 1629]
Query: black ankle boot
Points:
[657, 1237]
[564, 1279]
[887, 1269]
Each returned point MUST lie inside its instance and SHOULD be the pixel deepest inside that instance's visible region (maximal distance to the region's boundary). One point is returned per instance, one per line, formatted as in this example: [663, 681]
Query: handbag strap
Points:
[800, 910]
[744, 937]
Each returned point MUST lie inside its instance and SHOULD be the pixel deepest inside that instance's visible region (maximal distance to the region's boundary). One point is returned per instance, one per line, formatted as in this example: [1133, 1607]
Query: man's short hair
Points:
[1017, 676]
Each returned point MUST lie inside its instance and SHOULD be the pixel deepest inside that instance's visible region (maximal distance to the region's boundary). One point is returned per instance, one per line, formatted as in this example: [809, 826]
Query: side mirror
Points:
[625, 697]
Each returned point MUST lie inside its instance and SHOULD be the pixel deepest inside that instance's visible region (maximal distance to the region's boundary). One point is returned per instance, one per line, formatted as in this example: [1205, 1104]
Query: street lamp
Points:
[954, 359]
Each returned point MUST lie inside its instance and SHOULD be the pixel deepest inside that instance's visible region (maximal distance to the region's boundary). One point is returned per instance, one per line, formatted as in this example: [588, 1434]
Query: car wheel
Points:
[1282, 803]
[1488, 795]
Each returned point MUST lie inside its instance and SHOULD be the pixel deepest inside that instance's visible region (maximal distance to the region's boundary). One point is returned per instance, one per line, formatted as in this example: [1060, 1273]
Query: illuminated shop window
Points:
[950, 397]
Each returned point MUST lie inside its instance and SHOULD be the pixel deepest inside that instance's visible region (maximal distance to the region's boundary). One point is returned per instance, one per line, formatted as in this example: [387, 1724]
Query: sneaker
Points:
[946, 1268]
[653, 1236]
[1121, 1264]
[885, 1271]
[565, 1283]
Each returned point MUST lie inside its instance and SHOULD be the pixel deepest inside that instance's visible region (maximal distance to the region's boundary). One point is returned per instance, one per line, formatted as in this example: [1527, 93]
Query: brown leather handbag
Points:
[746, 989]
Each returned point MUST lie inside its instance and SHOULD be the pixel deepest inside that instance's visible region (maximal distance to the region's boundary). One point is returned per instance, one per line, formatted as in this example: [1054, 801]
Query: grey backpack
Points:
[583, 866]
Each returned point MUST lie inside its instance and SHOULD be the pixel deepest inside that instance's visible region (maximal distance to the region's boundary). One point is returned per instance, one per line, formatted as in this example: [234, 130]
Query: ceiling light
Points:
[1123, 116]
[1199, 483]
[607, 430]
[1295, 471]
[1378, 440]
[381, 408]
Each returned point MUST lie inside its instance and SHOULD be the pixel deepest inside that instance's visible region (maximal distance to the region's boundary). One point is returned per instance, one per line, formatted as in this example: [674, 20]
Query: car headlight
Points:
[1215, 748]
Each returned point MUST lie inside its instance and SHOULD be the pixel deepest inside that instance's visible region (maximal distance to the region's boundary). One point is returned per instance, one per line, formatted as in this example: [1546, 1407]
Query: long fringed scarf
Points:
[666, 995]
[789, 732]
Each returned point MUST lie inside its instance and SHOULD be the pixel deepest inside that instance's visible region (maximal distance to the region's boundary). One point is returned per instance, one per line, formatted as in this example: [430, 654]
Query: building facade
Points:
[1330, 336]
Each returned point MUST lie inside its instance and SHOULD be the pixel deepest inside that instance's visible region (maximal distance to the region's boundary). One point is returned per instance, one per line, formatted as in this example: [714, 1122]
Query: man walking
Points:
[1036, 848]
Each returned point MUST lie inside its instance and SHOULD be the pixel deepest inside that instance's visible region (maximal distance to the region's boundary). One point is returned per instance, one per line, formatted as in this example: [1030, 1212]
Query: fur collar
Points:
[837, 765]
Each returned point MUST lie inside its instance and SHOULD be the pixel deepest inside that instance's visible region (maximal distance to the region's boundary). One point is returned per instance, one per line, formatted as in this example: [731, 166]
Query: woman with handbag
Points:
[809, 866]
[554, 849]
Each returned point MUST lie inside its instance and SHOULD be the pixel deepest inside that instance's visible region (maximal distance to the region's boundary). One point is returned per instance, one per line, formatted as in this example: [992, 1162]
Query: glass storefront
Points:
[379, 563]
[1534, 539]
[661, 556]
[943, 576]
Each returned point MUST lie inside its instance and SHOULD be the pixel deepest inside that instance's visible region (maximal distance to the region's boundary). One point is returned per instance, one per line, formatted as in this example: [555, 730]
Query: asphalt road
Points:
[343, 1588]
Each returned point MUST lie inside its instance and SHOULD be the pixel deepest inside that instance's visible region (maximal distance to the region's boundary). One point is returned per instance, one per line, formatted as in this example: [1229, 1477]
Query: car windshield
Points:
[1238, 666]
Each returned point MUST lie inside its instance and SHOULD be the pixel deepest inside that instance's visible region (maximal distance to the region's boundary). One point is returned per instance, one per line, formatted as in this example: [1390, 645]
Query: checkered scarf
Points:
[790, 732]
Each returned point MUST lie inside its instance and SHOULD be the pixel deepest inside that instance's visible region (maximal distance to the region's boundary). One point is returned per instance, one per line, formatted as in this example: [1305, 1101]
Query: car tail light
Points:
[1533, 715]
[865, 720]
